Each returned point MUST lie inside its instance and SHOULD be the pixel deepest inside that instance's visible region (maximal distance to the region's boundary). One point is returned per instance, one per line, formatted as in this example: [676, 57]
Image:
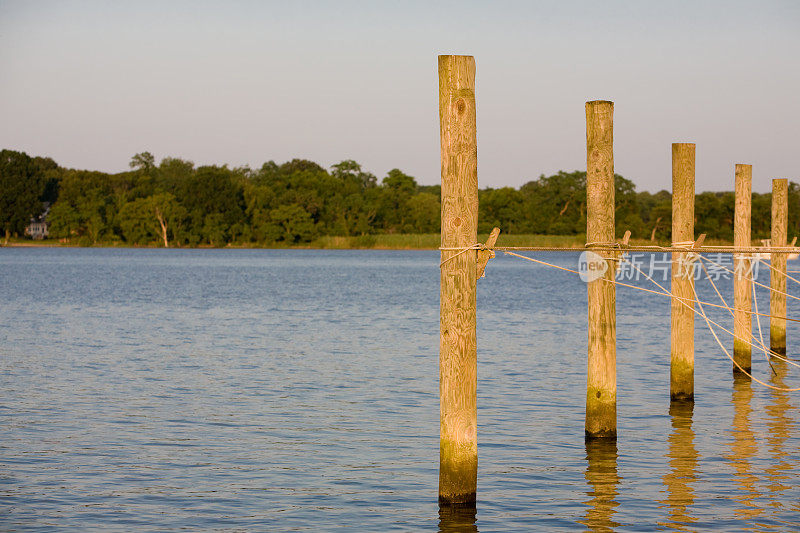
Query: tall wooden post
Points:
[601, 385]
[681, 382]
[458, 416]
[742, 277]
[777, 276]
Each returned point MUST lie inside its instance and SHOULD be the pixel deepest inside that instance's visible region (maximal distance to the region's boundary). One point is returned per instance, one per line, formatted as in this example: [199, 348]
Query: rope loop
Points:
[691, 256]
[461, 250]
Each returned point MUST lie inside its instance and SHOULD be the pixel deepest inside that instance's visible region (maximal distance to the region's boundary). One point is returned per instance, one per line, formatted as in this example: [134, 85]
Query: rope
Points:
[714, 333]
[600, 244]
[764, 348]
[784, 272]
[709, 322]
[477, 246]
[752, 280]
[460, 251]
[675, 247]
[651, 248]
[665, 292]
[732, 309]
[621, 284]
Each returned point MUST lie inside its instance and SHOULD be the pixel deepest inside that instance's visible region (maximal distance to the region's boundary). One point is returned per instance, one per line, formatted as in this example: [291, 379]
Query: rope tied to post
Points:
[753, 341]
[603, 245]
[690, 256]
[485, 252]
[614, 247]
[460, 250]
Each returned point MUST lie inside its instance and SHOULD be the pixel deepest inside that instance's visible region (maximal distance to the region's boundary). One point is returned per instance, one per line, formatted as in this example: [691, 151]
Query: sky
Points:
[240, 83]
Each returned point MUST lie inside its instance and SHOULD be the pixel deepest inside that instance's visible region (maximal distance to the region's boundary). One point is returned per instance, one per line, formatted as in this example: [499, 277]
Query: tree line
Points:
[175, 203]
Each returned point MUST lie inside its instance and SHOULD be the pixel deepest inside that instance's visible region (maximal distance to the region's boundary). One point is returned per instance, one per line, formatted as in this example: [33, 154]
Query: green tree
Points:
[296, 223]
[349, 170]
[713, 212]
[143, 162]
[21, 188]
[173, 174]
[85, 208]
[555, 204]
[502, 208]
[761, 216]
[395, 191]
[215, 231]
[51, 174]
[213, 191]
[794, 214]
[424, 213]
[155, 218]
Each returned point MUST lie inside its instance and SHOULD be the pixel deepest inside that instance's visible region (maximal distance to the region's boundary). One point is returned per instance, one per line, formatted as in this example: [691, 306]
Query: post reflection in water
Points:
[601, 474]
[458, 518]
[682, 457]
[779, 429]
[743, 449]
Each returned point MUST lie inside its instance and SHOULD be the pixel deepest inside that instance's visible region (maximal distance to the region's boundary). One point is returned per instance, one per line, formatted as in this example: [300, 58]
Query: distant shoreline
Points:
[394, 241]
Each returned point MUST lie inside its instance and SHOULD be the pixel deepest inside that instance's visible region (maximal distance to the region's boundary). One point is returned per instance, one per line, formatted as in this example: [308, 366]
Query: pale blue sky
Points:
[92, 83]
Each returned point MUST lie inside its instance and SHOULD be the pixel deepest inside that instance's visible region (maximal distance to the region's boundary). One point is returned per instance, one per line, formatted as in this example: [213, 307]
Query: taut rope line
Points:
[731, 311]
[545, 263]
[767, 351]
[754, 281]
[641, 248]
[663, 292]
[765, 262]
[714, 333]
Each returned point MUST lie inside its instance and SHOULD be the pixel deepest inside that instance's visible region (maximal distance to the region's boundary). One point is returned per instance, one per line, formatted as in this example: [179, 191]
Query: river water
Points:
[298, 390]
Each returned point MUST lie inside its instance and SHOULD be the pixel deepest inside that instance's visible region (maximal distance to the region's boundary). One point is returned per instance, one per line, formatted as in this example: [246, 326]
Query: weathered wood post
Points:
[681, 381]
[777, 276]
[458, 416]
[742, 277]
[601, 384]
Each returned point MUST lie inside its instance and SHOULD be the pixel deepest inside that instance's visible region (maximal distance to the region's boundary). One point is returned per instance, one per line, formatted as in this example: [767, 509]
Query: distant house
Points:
[37, 229]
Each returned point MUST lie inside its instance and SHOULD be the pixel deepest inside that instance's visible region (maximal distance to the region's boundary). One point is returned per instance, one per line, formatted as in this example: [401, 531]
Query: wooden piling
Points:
[777, 276]
[601, 385]
[742, 277]
[682, 317]
[458, 444]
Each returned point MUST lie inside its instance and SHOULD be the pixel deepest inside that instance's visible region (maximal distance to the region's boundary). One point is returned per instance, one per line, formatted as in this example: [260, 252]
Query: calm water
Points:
[291, 390]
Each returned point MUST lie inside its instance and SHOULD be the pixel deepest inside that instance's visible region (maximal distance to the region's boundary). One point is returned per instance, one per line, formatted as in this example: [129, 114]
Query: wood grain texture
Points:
[681, 381]
[742, 278]
[777, 277]
[601, 385]
[458, 450]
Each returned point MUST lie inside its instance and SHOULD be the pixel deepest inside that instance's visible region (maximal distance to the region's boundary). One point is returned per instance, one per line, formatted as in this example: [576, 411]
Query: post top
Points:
[597, 102]
[441, 56]
[779, 180]
[745, 165]
[683, 144]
